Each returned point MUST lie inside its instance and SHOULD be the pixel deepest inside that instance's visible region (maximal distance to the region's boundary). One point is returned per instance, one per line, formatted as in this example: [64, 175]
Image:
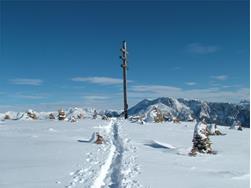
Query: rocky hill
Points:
[186, 110]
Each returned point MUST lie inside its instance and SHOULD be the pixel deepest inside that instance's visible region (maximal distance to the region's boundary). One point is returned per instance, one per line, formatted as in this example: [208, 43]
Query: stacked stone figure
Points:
[201, 141]
[7, 117]
[95, 115]
[176, 120]
[158, 116]
[239, 128]
[61, 114]
[31, 114]
[51, 116]
[100, 139]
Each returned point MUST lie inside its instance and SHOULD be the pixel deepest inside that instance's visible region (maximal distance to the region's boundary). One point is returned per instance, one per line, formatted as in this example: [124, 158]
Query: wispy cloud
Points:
[210, 94]
[26, 81]
[31, 97]
[190, 83]
[96, 97]
[99, 80]
[154, 88]
[220, 77]
[199, 48]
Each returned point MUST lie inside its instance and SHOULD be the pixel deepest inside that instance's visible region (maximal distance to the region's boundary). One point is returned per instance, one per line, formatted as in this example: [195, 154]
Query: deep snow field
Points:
[51, 154]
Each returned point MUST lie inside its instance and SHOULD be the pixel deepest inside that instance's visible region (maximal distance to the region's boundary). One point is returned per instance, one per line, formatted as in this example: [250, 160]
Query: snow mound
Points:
[91, 140]
[157, 144]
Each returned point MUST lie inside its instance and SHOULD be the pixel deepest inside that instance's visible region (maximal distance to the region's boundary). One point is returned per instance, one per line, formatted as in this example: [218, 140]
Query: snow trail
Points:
[116, 176]
[123, 168]
[112, 165]
[110, 173]
[119, 168]
[103, 174]
[99, 182]
[98, 160]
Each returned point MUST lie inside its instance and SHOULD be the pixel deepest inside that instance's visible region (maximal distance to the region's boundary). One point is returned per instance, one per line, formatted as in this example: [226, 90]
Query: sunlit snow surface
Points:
[48, 154]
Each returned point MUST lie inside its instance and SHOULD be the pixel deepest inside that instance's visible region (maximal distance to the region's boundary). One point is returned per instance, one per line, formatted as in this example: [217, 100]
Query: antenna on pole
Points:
[124, 67]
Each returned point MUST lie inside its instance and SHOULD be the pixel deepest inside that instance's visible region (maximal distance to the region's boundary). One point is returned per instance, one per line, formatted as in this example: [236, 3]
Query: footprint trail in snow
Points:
[112, 165]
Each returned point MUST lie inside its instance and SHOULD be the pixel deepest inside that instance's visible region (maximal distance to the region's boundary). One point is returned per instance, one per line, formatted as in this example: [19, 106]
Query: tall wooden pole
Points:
[124, 67]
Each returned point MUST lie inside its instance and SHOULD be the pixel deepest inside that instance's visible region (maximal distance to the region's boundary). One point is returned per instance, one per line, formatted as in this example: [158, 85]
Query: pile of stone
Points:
[51, 116]
[6, 117]
[176, 120]
[100, 139]
[239, 128]
[201, 141]
[158, 118]
[61, 114]
[95, 114]
[32, 114]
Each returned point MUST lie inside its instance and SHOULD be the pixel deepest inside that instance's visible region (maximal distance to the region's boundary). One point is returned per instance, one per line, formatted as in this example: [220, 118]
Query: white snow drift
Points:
[53, 154]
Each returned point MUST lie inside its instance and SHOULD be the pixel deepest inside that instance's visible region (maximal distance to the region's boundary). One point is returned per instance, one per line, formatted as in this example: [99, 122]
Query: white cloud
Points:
[220, 77]
[198, 48]
[99, 80]
[190, 83]
[26, 81]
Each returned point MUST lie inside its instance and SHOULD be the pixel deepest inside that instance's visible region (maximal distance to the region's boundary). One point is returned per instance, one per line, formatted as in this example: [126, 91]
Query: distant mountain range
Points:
[214, 112]
[171, 108]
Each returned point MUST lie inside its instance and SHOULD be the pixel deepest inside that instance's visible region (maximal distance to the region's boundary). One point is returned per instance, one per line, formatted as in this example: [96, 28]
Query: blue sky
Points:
[64, 53]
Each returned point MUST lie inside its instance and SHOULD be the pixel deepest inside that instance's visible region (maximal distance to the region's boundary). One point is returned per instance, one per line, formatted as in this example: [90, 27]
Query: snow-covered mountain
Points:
[170, 108]
[185, 110]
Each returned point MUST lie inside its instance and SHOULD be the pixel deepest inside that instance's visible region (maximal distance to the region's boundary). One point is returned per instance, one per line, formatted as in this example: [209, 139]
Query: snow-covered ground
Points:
[50, 153]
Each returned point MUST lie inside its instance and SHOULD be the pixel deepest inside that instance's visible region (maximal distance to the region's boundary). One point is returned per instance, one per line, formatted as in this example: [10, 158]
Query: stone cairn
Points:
[32, 114]
[95, 115]
[7, 117]
[61, 114]
[100, 139]
[51, 116]
[176, 120]
[159, 118]
[201, 141]
[239, 128]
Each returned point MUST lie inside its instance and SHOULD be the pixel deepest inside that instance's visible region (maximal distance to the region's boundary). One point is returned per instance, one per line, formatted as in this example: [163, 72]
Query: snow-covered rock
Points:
[201, 141]
[9, 115]
[109, 113]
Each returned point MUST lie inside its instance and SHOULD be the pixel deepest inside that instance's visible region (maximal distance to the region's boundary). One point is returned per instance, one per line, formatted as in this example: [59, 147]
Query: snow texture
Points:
[51, 154]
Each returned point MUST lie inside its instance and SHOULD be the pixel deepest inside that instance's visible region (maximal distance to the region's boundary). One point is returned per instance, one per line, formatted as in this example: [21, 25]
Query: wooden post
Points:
[124, 67]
